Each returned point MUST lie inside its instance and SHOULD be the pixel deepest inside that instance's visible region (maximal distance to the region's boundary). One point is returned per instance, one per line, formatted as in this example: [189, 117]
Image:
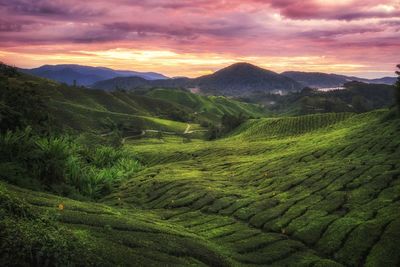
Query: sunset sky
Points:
[192, 38]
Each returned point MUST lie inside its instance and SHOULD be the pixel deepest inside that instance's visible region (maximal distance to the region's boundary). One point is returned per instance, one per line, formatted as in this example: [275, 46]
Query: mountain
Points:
[86, 75]
[325, 80]
[244, 79]
[80, 108]
[236, 80]
[317, 79]
[384, 80]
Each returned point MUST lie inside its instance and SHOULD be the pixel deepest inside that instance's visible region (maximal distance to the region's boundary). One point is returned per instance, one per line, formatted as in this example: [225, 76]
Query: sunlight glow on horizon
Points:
[198, 37]
[190, 65]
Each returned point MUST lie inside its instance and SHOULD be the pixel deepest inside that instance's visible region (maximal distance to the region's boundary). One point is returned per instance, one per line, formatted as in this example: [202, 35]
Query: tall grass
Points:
[63, 164]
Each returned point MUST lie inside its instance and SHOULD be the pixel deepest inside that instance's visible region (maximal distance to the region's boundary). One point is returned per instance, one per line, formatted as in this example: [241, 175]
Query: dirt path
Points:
[187, 129]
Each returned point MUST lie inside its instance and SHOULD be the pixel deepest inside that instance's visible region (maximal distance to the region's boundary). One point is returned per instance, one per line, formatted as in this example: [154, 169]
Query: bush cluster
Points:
[63, 164]
[28, 238]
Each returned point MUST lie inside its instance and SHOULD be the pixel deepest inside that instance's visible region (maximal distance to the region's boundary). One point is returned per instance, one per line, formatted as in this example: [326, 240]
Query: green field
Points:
[82, 109]
[92, 178]
[323, 192]
[325, 197]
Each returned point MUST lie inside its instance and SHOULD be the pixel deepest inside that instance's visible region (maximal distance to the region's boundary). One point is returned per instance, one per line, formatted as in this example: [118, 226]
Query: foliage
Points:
[228, 123]
[22, 107]
[62, 164]
[30, 238]
[314, 190]
[357, 97]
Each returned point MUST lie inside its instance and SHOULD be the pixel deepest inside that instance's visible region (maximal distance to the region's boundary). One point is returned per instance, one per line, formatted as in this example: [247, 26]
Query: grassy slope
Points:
[326, 197]
[287, 126]
[210, 107]
[85, 109]
[318, 190]
[113, 236]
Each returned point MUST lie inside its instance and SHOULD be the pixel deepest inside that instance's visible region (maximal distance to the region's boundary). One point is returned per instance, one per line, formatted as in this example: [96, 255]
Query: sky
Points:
[193, 38]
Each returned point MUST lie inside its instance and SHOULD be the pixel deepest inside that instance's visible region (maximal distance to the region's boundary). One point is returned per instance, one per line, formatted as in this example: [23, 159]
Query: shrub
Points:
[30, 239]
[63, 165]
[50, 163]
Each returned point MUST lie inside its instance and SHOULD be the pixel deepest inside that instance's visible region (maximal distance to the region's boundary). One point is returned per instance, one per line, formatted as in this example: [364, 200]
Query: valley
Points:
[324, 195]
[165, 177]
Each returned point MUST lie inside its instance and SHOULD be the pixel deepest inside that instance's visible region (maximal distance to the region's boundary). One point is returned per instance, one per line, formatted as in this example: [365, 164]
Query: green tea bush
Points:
[28, 238]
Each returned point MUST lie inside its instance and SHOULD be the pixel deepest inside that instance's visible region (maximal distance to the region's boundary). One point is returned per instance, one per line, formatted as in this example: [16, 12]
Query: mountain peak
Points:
[244, 78]
[240, 66]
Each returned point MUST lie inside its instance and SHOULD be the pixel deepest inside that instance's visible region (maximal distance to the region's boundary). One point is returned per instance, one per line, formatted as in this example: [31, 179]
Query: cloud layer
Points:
[195, 37]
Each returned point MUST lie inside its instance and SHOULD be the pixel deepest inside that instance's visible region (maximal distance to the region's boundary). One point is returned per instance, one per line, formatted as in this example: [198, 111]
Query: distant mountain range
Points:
[324, 80]
[86, 75]
[235, 80]
[242, 79]
[239, 79]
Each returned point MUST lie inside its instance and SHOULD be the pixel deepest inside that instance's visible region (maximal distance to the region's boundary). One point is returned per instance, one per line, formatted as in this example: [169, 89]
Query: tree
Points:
[397, 85]
[230, 122]
[20, 107]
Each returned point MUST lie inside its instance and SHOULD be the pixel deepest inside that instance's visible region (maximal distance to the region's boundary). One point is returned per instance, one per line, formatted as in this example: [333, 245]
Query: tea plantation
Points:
[313, 190]
[319, 190]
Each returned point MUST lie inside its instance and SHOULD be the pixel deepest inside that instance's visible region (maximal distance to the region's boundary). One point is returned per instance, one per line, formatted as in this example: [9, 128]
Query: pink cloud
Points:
[344, 30]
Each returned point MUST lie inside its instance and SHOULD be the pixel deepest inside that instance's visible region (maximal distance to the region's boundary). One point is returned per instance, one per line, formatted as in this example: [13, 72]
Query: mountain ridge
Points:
[326, 80]
[86, 75]
[237, 79]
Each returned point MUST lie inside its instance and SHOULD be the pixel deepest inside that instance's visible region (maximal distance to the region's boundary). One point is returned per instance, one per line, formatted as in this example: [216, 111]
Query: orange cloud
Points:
[195, 37]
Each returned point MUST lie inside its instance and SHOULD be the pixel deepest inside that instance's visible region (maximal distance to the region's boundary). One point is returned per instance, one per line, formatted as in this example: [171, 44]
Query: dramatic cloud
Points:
[199, 36]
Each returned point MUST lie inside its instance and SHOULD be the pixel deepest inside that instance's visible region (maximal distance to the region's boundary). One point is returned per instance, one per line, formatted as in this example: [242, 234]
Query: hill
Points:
[236, 80]
[353, 97]
[287, 126]
[138, 83]
[320, 190]
[383, 80]
[244, 79]
[89, 109]
[85, 75]
[314, 190]
[325, 80]
[317, 190]
[212, 107]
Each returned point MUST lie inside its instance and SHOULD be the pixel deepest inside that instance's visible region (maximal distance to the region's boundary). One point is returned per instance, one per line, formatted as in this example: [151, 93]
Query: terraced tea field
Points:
[320, 190]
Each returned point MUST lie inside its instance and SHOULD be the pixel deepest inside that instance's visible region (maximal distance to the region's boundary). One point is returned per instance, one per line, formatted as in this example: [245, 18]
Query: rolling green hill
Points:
[287, 126]
[326, 194]
[212, 107]
[312, 190]
[86, 109]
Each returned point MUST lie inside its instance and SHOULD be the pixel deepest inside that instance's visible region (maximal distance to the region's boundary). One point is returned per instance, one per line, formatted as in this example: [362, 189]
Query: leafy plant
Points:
[62, 164]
